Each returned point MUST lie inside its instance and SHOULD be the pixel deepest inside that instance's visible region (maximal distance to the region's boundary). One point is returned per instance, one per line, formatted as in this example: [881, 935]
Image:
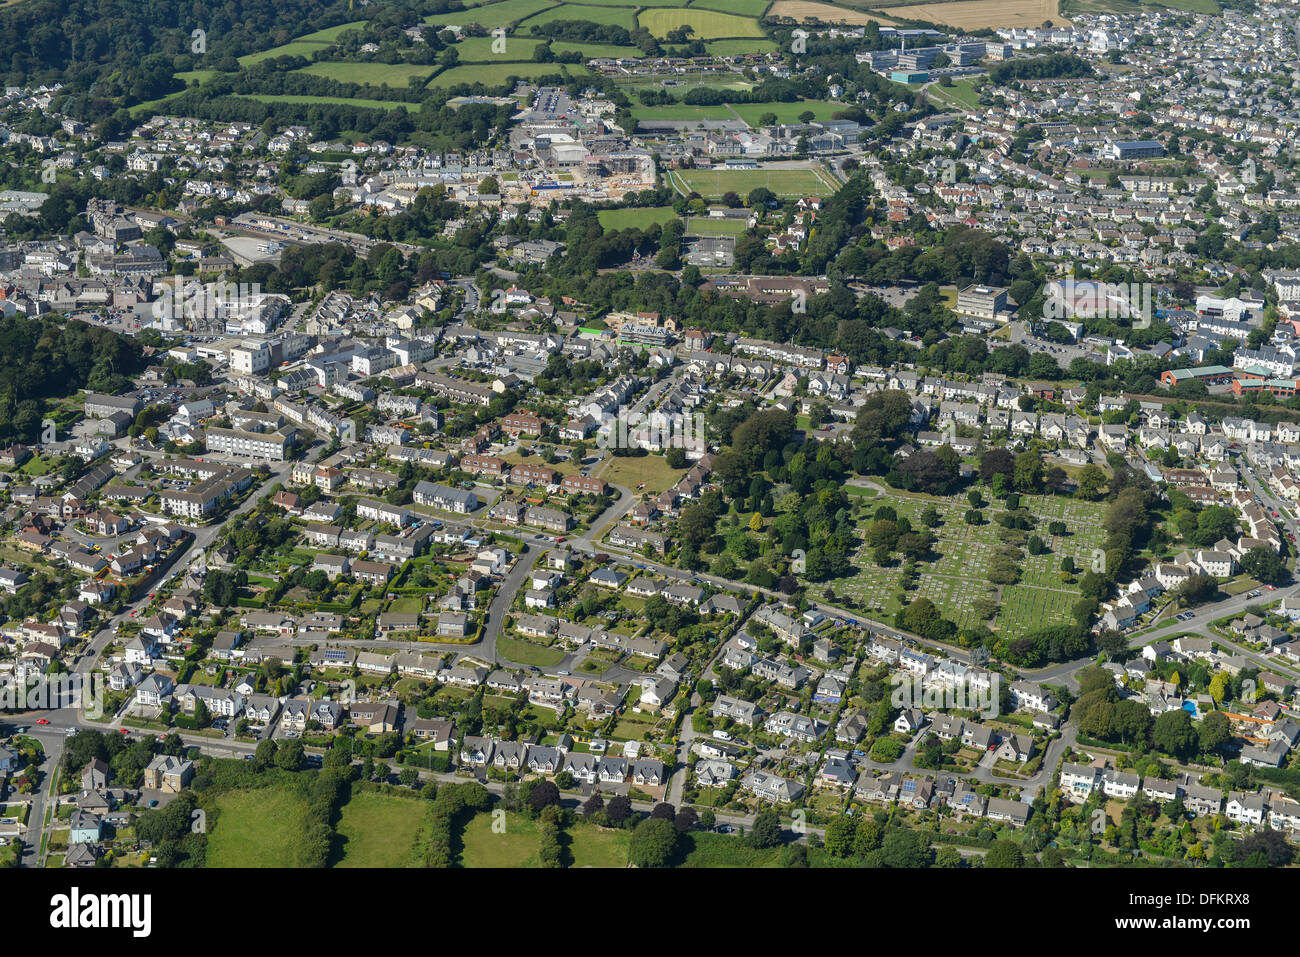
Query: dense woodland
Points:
[48, 358]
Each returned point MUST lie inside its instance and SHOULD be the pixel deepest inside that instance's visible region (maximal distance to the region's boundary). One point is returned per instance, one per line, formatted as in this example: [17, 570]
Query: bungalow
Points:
[608, 577]
[1012, 812]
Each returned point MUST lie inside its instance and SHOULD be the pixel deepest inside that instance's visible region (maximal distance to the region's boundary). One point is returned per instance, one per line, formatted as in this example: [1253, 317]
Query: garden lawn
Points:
[526, 653]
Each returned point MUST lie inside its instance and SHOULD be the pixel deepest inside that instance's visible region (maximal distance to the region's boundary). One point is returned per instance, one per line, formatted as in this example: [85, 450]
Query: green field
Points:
[345, 101]
[709, 226]
[494, 74]
[1071, 7]
[734, 47]
[750, 113]
[786, 183]
[294, 48]
[607, 16]
[517, 846]
[629, 471]
[151, 107]
[1192, 6]
[492, 15]
[721, 850]
[744, 8]
[527, 653]
[258, 827]
[370, 74]
[590, 50]
[787, 112]
[378, 830]
[637, 218]
[961, 93]
[682, 112]
[680, 84]
[479, 49]
[708, 24]
[593, 846]
[330, 34]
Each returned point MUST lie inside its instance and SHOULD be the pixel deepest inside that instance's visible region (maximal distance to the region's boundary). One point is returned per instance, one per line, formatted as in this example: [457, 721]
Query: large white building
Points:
[250, 358]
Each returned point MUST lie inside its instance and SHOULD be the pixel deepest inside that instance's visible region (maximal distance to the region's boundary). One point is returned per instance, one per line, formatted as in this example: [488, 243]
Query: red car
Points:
[41, 721]
[124, 731]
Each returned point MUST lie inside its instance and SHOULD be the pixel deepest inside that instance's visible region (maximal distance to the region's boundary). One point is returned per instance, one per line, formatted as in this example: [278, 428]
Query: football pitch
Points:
[785, 183]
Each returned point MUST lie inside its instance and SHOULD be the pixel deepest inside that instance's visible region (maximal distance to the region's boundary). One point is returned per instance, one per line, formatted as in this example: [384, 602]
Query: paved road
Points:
[53, 745]
[501, 604]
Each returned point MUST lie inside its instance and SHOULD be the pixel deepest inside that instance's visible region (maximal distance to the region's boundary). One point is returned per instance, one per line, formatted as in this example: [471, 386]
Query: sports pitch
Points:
[785, 183]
